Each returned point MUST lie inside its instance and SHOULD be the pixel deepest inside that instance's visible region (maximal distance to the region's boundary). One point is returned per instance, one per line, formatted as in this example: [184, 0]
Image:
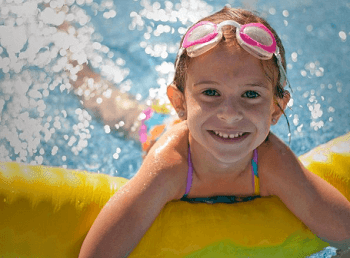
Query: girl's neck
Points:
[207, 166]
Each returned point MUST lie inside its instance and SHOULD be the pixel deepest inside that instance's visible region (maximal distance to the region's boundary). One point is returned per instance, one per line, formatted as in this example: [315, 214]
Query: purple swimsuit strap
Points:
[255, 155]
[190, 173]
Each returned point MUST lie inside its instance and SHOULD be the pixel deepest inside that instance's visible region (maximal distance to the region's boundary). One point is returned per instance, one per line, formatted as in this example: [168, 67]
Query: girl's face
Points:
[227, 92]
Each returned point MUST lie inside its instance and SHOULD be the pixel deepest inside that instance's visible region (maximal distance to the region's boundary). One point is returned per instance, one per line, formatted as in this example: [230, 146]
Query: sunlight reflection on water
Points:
[40, 40]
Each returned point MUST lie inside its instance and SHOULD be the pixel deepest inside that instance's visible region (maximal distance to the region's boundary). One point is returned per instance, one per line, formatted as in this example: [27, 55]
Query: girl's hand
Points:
[130, 212]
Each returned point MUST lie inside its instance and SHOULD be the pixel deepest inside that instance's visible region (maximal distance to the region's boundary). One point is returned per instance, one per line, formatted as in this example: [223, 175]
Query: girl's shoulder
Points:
[281, 173]
[168, 158]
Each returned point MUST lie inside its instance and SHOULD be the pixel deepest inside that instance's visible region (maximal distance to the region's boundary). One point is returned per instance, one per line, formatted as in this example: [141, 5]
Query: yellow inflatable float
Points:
[47, 212]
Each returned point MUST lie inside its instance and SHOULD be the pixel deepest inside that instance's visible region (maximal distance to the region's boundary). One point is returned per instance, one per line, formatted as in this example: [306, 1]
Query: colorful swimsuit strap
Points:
[190, 170]
[254, 166]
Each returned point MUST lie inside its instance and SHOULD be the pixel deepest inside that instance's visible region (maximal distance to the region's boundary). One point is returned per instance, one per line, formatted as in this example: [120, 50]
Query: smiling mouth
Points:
[228, 136]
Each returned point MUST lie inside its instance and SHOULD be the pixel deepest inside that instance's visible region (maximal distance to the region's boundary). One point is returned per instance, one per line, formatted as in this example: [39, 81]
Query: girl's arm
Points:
[318, 204]
[131, 211]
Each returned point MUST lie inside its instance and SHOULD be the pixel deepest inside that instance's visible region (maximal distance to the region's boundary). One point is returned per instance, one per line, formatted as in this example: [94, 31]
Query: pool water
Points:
[133, 44]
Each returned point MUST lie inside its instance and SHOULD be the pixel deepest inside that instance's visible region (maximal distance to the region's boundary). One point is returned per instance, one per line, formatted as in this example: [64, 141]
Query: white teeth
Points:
[224, 135]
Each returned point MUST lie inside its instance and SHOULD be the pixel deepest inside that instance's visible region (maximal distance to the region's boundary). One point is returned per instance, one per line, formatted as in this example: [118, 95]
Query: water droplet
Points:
[272, 11]
[309, 28]
[342, 36]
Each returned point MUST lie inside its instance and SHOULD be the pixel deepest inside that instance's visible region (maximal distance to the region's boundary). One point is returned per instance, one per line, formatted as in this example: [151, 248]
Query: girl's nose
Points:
[230, 113]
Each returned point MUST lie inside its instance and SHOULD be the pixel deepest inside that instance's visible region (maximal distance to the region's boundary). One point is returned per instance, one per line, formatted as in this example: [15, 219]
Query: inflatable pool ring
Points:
[47, 212]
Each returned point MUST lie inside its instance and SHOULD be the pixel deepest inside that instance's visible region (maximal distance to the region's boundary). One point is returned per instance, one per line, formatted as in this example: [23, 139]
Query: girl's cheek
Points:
[196, 106]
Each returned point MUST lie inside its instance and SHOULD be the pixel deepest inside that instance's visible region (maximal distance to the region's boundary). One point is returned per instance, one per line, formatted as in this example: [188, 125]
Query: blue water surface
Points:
[134, 44]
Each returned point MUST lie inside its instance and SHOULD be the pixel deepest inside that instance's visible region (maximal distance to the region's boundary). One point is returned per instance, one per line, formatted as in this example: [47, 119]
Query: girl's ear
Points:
[177, 99]
[279, 106]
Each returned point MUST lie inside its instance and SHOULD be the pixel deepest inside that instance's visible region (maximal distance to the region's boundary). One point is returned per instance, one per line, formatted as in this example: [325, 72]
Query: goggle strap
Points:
[231, 23]
[284, 78]
[179, 54]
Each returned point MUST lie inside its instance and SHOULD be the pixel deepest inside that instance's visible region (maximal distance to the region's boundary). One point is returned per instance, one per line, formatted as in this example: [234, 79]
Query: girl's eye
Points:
[211, 92]
[251, 94]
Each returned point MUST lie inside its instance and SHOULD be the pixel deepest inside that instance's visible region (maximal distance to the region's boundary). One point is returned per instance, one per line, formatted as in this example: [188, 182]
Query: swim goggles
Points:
[255, 38]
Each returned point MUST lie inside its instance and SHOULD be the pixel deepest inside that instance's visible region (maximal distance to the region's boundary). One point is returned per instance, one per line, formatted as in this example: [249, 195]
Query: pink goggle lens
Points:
[200, 33]
[256, 34]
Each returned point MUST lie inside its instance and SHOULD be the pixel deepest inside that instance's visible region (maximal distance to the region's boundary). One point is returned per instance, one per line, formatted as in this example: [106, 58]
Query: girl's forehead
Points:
[225, 63]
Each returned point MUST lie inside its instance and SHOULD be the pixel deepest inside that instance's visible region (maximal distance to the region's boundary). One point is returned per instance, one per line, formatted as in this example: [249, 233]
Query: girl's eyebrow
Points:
[257, 84]
[253, 84]
[205, 82]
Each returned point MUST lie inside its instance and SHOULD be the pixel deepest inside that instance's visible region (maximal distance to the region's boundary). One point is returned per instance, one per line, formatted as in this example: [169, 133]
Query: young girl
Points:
[229, 88]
